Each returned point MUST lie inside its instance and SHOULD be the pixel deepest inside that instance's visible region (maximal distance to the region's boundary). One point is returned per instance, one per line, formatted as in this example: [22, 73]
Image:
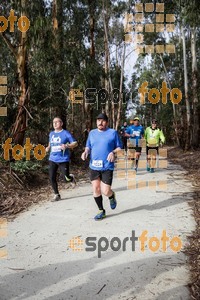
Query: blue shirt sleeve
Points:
[117, 140]
[70, 138]
[142, 131]
[88, 144]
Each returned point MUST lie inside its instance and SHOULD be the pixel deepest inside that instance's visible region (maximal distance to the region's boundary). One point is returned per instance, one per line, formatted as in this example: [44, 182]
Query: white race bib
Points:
[97, 163]
[136, 133]
[56, 149]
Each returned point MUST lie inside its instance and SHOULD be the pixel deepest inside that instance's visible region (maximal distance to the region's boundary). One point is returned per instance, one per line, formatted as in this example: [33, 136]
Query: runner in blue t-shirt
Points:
[60, 141]
[102, 143]
[135, 133]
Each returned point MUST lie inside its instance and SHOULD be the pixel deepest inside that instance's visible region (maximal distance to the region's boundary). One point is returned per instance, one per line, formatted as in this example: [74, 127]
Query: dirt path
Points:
[41, 264]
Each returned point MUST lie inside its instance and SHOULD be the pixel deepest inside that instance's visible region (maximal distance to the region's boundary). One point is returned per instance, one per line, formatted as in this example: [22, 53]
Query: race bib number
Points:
[97, 163]
[136, 133]
[56, 149]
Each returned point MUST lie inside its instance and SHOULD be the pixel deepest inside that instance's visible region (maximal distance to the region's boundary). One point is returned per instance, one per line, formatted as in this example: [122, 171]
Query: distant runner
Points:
[154, 137]
[124, 137]
[102, 144]
[135, 132]
[60, 141]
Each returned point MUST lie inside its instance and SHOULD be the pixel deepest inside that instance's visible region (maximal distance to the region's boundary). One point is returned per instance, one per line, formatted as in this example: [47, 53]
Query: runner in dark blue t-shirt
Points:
[102, 143]
[135, 133]
[60, 141]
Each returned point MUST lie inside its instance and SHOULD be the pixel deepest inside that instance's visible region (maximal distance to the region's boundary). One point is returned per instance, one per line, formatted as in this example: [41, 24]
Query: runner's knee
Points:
[96, 190]
[106, 191]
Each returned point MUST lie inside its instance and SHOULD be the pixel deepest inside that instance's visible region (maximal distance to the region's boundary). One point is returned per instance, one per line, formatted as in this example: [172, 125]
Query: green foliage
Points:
[24, 166]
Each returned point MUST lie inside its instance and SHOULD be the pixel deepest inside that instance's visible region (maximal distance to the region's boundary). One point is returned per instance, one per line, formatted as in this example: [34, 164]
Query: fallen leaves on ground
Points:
[190, 161]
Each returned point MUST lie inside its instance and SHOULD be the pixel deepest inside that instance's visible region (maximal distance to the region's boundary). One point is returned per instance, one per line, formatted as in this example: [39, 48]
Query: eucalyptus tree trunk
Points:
[108, 80]
[92, 28]
[196, 110]
[57, 44]
[20, 54]
[188, 112]
[120, 89]
[87, 107]
[173, 105]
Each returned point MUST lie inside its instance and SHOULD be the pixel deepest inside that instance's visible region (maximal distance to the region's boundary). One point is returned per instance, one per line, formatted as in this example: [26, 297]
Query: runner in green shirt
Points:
[154, 138]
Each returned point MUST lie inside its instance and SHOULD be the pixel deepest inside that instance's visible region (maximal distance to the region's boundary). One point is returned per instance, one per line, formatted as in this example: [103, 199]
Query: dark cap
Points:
[102, 116]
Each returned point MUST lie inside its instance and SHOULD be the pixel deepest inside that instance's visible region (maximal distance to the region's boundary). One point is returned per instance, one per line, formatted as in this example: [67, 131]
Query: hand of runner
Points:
[111, 157]
[84, 155]
[64, 146]
[47, 149]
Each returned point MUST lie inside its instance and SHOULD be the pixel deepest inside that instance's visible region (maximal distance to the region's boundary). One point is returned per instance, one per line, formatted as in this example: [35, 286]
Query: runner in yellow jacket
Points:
[154, 137]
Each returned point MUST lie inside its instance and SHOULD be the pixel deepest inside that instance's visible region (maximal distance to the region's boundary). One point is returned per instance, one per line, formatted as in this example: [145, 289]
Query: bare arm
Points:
[117, 149]
[111, 155]
[48, 148]
[84, 155]
[69, 145]
[72, 145]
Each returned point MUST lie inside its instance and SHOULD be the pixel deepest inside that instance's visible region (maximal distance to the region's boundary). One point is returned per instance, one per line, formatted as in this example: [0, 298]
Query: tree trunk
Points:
[188, 113]
[108, 80]
[106, 66]
[173, 105]
[120, 89]
[88, 108]
[92, 28]
[20, 125]
[57, 18]
[195, 127]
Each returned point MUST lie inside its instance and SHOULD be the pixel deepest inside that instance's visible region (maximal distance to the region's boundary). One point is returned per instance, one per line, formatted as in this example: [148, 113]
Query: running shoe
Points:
[56, 198]
[148, 168]
[152, 170]
[136, 170]
[113, 202]
[73, 182]
[101, 215]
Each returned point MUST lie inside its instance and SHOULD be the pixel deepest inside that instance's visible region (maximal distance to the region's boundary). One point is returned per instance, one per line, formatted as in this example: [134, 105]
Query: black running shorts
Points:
[137, 149]
[105, 176]
[151, 148]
